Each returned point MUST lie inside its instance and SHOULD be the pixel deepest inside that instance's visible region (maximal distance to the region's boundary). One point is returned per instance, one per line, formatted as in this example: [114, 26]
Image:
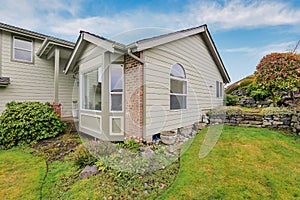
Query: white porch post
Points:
[56, 74]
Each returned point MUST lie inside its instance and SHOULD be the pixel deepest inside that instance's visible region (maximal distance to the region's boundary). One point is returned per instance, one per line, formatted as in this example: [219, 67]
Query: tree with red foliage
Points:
[277, 73]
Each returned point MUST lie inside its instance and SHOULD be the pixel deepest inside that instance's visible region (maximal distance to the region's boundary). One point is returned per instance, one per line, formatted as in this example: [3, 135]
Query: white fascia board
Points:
[149, 43]
[217, 57]
[109, 46]
[74, 54]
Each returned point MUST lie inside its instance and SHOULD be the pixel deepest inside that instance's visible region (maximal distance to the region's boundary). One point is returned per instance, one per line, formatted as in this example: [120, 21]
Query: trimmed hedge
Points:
[28, 122]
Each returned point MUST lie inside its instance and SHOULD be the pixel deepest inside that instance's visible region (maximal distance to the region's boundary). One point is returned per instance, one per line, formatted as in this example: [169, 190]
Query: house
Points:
[152, 85]
[31, 68]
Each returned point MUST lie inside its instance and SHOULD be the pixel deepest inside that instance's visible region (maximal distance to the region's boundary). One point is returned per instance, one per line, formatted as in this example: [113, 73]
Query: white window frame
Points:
[110, 93]
[121, 128]
[22, 49]
[179, 94]
[81, 81]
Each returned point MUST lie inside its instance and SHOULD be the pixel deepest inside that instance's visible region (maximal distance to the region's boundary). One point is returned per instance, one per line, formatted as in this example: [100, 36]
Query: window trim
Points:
[179, 94]
[13, 49]
[122, 93]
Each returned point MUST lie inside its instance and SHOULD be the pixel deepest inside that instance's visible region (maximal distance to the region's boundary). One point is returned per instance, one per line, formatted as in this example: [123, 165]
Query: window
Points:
[22, 50]
[178, 88]
[219, 89]
[92, 90]
[116, 88]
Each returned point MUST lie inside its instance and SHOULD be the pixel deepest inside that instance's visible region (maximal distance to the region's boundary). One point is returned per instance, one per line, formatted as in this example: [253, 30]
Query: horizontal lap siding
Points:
[32, 82]
[65, 91]
[202, 74]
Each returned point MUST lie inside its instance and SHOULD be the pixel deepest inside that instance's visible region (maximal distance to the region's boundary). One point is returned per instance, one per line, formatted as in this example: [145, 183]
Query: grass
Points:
[246, 163]
[21, 174]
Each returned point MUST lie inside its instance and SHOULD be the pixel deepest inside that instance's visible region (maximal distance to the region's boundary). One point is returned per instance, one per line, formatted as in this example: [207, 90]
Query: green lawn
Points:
[21, 174]
[246, 163]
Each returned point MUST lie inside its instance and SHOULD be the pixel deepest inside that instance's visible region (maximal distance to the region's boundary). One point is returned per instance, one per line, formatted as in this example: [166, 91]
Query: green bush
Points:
[256, 92]
[28, 122]
[231, 100]
[277, 111]
[82, 157]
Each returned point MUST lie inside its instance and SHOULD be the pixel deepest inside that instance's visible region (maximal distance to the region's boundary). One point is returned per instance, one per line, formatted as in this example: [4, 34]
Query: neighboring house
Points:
[152, 85]
[31, 68]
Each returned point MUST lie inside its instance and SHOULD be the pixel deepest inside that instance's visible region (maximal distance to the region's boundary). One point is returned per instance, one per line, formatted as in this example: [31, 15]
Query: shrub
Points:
[28, 122]
[82, 157]
[231, 100]
[277, 111]
[229, 110]
[256, 92]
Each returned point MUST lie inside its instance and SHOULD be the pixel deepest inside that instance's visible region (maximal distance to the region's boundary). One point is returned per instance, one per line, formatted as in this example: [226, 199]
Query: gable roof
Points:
[48, 43]
[140, 45]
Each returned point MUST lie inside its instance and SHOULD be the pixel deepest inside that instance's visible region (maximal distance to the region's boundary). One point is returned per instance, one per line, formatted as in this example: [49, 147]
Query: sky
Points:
[243, 30]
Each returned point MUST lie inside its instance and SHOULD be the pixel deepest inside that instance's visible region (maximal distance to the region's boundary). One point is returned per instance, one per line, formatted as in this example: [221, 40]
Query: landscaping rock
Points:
[88, 171]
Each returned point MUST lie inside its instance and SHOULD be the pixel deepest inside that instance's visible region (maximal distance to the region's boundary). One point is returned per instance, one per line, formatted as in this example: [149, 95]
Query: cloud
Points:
[259, 52]
[241, 14]
[63, 18]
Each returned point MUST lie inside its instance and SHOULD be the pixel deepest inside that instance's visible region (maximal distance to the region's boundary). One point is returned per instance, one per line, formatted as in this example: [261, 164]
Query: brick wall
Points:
[133, 97]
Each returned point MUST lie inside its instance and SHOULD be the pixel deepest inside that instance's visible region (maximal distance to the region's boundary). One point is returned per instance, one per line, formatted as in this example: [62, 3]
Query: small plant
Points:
[28, 122]
[277, 111]
[129, 144]
[82, 157]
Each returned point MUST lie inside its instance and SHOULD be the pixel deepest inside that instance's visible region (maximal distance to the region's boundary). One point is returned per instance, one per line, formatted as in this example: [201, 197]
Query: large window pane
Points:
[23, 44]
[116, 79]
[116, 102]
[91, 91]
[177, 102]
[178, 86]
[22, 55]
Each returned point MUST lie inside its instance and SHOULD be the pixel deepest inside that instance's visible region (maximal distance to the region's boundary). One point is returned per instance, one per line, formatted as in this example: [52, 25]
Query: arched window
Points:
[178, 88]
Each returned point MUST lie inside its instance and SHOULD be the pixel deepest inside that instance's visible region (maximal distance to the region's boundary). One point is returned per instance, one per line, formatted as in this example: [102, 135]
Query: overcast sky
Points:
[243, 30]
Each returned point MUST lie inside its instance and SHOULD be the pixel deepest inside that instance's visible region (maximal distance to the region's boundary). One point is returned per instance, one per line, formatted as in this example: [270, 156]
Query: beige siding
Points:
[32, 82]
[201, 72]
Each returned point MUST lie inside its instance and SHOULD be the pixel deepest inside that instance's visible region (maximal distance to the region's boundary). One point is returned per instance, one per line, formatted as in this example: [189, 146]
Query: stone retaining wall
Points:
[284, 122]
